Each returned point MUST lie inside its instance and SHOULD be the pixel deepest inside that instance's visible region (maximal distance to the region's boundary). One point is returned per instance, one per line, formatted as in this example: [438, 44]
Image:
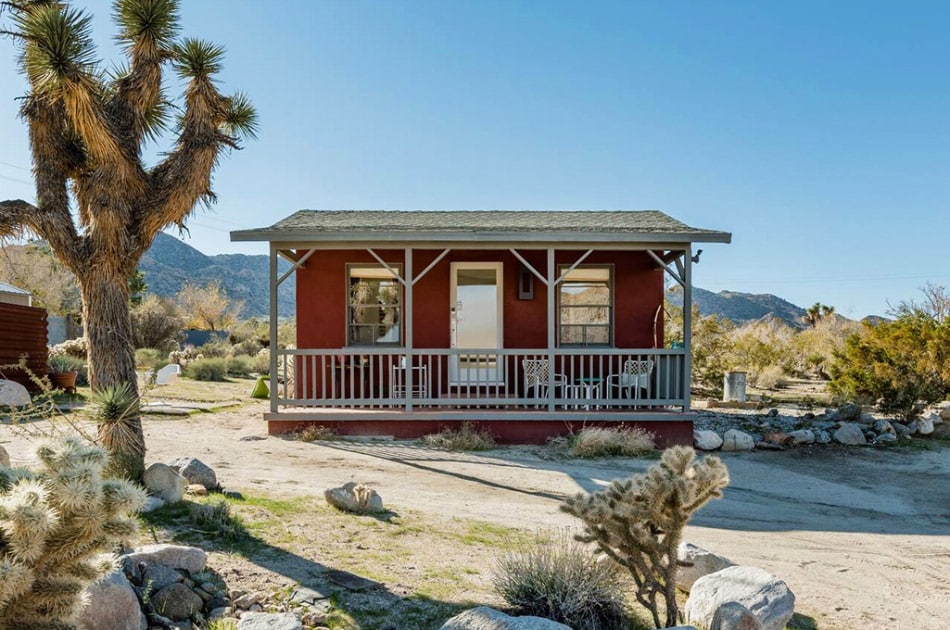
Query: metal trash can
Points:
[733, 386]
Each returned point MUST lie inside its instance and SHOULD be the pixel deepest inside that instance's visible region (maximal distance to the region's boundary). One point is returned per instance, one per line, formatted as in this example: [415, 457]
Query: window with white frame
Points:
[374, 305]
[585, 306]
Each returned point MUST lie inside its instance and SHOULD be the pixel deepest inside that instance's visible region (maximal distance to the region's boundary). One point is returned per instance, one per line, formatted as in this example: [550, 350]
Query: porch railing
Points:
[392, 378]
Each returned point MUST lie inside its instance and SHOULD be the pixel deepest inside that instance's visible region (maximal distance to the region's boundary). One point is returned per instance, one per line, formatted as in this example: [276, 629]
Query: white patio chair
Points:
[539, 376]
[634, 377]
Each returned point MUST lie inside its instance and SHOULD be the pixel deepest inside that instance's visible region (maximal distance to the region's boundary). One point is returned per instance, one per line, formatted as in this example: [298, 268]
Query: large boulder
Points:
[848, 412]
[702, 563]
[736, 440]
[768, 597]
[706, 440]
[269, 621]
[925, 425]
[189, 559]
[12, 394]
[485, 618]
[850, 434]
[111, 604]
[802, 436]
[196, 472]
[164, 482]
[177, 602]
[355, 497]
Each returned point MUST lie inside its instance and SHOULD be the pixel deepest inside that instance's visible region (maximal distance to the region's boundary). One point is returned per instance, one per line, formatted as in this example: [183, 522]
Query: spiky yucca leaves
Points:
[638, 522]
[52, 523]
[116, 408]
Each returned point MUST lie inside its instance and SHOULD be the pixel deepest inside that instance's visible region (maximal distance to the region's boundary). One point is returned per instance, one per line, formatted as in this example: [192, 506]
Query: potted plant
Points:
[63, 370]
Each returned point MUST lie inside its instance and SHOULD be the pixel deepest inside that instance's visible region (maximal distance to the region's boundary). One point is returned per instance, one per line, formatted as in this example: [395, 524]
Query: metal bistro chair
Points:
[539, 376]
[634, 377]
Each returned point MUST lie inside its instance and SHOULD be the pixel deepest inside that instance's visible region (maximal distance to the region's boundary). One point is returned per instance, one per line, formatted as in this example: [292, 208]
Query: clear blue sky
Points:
[818, 133]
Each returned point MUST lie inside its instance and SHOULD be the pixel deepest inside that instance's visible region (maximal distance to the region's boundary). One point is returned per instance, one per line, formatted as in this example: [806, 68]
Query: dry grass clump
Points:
[771, 377]
[592, 442]
[562, 580]
[467, 437]
[315, 433]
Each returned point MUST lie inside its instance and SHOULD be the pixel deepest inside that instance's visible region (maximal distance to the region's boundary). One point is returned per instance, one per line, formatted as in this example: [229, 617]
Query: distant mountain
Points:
[743, 307]
[170, 263]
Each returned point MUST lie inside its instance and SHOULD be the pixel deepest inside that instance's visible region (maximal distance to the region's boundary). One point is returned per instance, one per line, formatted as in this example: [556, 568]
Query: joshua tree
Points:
[86, 129]
[639, 522]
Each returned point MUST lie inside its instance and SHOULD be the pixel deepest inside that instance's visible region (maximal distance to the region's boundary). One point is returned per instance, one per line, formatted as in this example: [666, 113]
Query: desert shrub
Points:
[771, 377]
[207, 369]
[711, 349]
[54, 522]
[467, 437]
[314, 433]
[215, 348]
[116, 411]
[611, 442]
[248, 347]
[255, 328]
[156, 324]
[562, 580]
[901, 365]
[214, 519]
[150, 358]
[240, 366]
[638, 522]
[262, 362]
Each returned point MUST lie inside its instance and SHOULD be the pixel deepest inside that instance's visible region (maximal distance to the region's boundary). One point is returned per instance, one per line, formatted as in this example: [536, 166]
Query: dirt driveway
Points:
[861, 536]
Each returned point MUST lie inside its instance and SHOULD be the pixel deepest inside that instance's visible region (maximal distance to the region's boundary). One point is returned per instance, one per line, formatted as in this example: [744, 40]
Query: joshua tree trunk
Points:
[105, 299]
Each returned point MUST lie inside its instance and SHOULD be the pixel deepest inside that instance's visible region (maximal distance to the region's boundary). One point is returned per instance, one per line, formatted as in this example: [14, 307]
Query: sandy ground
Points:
[861, 536]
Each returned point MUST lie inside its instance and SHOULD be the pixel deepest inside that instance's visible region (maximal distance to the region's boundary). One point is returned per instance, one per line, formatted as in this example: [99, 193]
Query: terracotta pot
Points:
[65, 381]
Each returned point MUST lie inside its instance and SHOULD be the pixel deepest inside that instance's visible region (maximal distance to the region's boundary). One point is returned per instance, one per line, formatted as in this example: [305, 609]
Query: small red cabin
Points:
[531, 324]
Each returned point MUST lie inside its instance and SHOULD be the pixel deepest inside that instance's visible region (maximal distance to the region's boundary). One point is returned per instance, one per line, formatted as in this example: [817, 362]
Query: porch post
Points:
[274, 348]
[552, 287]
[688, 322]
[409, 371]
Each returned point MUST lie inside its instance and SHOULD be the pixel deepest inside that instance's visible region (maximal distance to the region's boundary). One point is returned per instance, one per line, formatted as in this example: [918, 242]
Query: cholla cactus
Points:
[639, 521]
[52, 523]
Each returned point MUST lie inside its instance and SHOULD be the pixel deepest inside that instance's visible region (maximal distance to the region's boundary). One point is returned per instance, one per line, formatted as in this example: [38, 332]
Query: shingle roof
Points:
[321, 224]
[9, 288]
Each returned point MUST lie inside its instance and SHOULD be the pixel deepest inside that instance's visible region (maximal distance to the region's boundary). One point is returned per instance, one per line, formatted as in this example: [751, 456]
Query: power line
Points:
[14, 179]
[22, 168]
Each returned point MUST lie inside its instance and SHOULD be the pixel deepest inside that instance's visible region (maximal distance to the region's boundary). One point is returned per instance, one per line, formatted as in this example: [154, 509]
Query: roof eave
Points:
[269, 235]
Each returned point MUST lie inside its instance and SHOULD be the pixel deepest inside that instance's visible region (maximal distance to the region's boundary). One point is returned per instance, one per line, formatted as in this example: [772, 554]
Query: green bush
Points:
[262, 362]
[240, 366]
[207, 369]
[248, 347]
[563, 581]
[150, 358]
[901, 365]
[215, 349]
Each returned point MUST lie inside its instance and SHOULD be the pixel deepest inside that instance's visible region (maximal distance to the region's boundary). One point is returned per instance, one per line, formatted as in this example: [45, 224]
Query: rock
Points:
[485, 618]
[781, 438]
[886, 438]
[734, 616]
[703, 563]
[766, 596]
[152, 503]
[12, 394]
[925, 425]
[162, 481]
[900, 430]
[736, 440]
[802, 436]
[112, 604]
[4, 457]
[706, 440]
[196, 471]
[244, 602]
[157, 576]
[850, 434]
[822, 437]
[269, 621]
[943, 410]
[848, 412]
[189, 559]
[883, 426]
[354, 497]
[177, 602]
[196, 489]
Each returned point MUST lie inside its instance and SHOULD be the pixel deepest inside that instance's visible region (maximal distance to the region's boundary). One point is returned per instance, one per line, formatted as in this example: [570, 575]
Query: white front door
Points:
[476, 310]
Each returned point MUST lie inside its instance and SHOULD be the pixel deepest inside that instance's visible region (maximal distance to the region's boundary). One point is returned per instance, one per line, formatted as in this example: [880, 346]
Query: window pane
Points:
[585, 306]
[374, 306]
